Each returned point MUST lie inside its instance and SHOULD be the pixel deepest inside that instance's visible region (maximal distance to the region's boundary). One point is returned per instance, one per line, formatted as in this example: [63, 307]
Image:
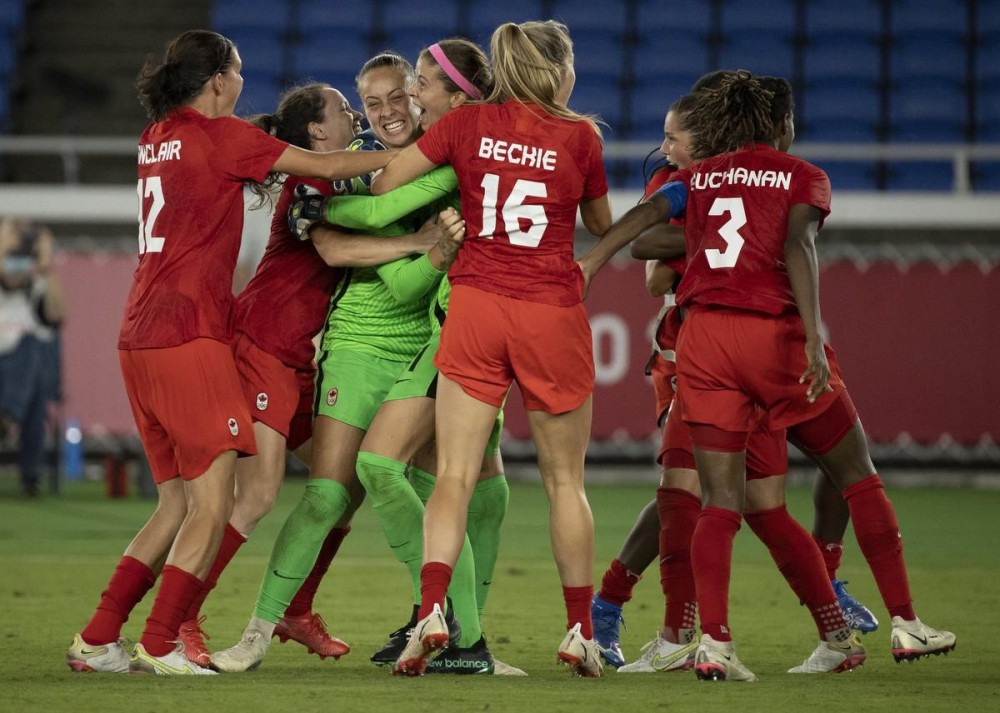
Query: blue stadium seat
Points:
[259, 96]
[679, 55]
[844, 18]
[921, 176]
[649, 101]
[330, 61]
[441, 16]
[988, 116]
[986, 176]
[262, 49]
[11, 15]
[739, 16]
[668, 22]
[411, 40]
[988, 63]
[843, 58]
[920, 56]
[839, 110]
[849, 175]
[761, 52]
[942, 17]
[599, 54]
[927, 111]
[484, 16]
[590, 15]
[229, 14]
[318, 16]
[604, 98]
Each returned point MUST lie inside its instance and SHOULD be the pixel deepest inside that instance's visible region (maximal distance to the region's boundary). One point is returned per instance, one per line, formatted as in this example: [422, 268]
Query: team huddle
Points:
[433, 256]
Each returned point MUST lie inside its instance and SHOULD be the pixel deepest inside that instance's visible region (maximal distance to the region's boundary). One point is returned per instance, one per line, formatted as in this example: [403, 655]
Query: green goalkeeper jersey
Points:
[382, 310]
[422, 197]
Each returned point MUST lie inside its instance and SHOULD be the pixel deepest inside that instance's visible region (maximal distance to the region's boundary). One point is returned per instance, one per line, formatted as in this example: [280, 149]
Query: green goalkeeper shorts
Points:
[350, 386]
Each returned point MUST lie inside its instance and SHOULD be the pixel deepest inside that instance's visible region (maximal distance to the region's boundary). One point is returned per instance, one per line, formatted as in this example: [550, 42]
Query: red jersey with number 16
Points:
[736, 223]
[523, 174]
[191, 175]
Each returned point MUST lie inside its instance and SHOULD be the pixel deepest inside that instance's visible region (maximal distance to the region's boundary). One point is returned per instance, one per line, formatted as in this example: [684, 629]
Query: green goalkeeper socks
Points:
[487, 509]
[298, 545]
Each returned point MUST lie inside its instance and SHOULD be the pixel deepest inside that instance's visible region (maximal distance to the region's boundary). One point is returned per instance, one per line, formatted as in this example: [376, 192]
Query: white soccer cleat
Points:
[913, 639]
[660, 655]
[831, 657]
[584, 655]
[247, 654]
[717, 661]
[429, 636]
[107, 658]
[176, 663]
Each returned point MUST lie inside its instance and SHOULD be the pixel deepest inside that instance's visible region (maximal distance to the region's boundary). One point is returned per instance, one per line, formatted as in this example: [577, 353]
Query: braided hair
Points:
[736, 112]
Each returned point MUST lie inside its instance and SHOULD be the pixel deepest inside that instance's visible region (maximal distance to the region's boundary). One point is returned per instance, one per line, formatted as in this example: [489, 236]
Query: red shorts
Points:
[490, 341]
[188, 405]
[664, 375]
[741, 362]
[767, 450]
[279, 396]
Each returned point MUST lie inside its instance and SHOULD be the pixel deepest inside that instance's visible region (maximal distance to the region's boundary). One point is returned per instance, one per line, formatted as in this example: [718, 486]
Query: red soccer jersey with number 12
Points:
[523, 174]
[736, 223]
[191, 174]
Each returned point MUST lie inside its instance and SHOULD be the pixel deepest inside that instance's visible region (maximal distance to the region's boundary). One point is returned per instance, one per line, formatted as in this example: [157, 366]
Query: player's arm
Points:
[660, 277]
[666, 203]
[596, 215]
[403, 168]
[409, 280]
[662, 241]
[803, 274]
[340, 249]
[331, 165]
[376, 212]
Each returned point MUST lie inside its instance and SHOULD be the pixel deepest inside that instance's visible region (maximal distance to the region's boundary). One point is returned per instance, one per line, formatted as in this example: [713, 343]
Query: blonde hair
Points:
[529, 62]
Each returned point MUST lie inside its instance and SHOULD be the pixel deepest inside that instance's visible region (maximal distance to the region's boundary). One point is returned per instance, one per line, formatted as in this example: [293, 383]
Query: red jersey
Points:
[736, 224]
[523, 174]
[284, 306]
[191, 174]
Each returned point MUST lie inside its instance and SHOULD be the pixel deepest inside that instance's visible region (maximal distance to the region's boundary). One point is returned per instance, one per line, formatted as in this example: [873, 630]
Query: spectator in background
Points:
[31, 310]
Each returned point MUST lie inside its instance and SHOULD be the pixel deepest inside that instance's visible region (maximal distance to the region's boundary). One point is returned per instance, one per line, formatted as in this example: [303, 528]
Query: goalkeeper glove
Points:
[306, 210]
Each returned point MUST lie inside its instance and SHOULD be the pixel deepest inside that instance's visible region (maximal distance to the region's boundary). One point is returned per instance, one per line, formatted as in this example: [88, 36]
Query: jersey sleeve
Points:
[812, 187]
[436, 143]
[376, 212]
[658, 180]
[596, 179]
[243, 152]
[408, 280]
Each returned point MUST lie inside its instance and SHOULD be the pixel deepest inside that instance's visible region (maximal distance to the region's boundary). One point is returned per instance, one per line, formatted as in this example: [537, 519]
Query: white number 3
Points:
[154, 188]
[730, 232]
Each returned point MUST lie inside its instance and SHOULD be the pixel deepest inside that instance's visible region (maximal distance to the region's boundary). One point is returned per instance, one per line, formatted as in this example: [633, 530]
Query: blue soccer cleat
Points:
[857, 615]
[606, 618]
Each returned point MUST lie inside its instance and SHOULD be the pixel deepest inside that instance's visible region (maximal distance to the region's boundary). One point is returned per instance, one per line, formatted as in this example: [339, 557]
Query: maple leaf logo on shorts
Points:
[234, 427]
[331, 397]
[261, 401]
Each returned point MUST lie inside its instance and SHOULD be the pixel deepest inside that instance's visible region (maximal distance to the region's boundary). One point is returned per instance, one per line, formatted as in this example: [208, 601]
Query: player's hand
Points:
[306, 210]
[428, 235]
[817, 373]
[453, 228]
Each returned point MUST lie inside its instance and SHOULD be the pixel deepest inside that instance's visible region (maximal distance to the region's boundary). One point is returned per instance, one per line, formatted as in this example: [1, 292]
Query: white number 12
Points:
[154, 188]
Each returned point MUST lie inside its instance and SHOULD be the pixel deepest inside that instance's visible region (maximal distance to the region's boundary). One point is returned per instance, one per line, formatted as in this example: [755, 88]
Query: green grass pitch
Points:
[56, 554]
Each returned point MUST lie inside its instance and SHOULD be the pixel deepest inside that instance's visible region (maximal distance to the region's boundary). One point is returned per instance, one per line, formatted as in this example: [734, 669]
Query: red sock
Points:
[177, 589]
[877, 531]
[232, 540]
[302, 602]
[712, 561]
[800, 562]
[434, 580]
[617, 583]
[128, 585]
[578, 609]
[679, 511]
[832, 552]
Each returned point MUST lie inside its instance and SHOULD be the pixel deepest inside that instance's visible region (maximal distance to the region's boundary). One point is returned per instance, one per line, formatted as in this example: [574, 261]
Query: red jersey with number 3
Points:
[523, 174]
[191, 175]
[736, 223]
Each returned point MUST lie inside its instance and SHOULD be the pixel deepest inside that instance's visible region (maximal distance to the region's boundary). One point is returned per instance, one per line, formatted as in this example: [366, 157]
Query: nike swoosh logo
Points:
[279, 575]
[401, 544]
[661, 663]
[486, 584]
[88, 652]
[921, 640]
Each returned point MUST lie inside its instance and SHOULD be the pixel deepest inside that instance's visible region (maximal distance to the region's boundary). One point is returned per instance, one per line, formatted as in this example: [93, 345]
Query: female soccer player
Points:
[174, 344]
[377, 321]
[752, 213]
[282, 308]
[526, 163]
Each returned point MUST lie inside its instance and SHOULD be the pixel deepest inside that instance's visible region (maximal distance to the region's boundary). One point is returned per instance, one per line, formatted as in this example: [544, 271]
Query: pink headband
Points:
[453, 74]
